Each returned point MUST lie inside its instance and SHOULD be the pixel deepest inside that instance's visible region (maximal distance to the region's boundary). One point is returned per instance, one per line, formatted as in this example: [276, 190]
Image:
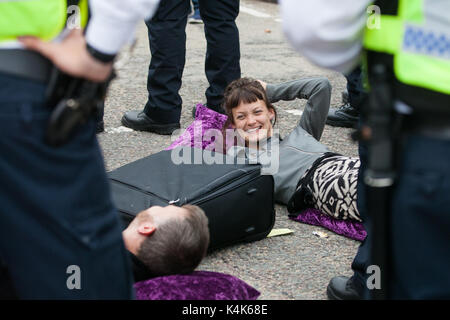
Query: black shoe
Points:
[138, 120]
[342, 288]
[99, 127]
[346, 116]
[344, 95]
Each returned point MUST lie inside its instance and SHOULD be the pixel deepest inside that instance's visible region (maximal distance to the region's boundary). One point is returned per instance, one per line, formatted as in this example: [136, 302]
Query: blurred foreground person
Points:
[60, 235]
[406, 46]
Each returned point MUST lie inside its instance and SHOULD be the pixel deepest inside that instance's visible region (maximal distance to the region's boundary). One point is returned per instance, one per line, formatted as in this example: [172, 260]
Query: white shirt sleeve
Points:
[329, 33]
[113, 22]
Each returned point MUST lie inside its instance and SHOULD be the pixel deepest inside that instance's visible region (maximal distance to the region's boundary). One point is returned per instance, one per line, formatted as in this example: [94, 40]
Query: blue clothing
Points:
[56, 210]
[355, 88]
[421, 221]
[362, 259]
[420, 224]
[195, 4]
[167, 37]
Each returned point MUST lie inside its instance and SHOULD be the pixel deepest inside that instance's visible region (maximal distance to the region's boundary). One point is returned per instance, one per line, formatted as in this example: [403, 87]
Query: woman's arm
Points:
[318, 93]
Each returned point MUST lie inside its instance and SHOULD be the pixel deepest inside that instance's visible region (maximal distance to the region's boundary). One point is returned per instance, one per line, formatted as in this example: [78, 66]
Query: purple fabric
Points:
[199, 285]
[207, 119]
[351, 229]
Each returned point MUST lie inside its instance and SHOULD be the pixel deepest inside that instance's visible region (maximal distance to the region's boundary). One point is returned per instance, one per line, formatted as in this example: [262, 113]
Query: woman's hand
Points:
[263, 84]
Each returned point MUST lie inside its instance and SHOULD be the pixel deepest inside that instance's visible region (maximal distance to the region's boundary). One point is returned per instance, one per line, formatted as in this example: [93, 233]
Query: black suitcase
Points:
[237, 199]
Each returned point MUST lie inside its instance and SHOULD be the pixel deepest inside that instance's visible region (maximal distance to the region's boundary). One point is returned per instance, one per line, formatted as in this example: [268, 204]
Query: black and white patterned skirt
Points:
[331, 186]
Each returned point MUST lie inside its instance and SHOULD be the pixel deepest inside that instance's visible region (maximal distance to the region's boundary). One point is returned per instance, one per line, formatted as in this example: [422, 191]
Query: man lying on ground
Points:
[167, 240]
[161, 241]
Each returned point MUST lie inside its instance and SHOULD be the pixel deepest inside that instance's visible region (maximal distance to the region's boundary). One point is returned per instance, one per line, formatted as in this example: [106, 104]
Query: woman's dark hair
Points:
[243, 90]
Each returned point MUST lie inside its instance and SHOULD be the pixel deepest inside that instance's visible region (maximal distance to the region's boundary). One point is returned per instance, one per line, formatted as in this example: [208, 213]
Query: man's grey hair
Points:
[179, 245]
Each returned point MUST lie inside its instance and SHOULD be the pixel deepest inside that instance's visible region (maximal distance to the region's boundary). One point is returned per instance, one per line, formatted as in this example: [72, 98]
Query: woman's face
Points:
[253, 120]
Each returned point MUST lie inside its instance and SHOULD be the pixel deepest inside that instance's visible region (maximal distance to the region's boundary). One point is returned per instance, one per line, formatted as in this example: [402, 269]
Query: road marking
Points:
[294, 112]
[254, 12]
[118, 130]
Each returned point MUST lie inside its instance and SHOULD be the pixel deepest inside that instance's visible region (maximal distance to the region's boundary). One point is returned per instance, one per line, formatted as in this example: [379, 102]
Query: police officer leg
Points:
[356, 286]
[421, 221]
[167, 37]
[223, 50]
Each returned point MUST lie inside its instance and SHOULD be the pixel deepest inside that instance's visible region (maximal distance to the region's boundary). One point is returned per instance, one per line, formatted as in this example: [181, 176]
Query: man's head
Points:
[169, 240]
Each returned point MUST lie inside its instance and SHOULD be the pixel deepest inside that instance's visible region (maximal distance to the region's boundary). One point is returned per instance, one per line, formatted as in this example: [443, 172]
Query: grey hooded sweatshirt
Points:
[298, 151]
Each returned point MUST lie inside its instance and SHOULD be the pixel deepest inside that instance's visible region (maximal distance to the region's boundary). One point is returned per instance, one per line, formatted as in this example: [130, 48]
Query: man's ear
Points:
[146, 228]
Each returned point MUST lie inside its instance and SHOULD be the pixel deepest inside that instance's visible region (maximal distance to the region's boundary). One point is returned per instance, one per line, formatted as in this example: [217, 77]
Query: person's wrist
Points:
[96, 69]
[100, 56]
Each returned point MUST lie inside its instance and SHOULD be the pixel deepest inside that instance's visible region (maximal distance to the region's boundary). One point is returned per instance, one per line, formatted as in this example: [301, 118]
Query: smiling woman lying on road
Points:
[307, 174]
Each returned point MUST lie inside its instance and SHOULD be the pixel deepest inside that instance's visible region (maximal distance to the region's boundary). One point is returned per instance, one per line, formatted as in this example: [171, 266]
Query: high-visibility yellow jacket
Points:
[413, 36]
[42, 18]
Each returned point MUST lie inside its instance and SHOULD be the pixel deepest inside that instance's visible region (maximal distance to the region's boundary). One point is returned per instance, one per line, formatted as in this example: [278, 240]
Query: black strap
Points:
[100, 56]
[388, 7]
[72, 2]
[25, 64]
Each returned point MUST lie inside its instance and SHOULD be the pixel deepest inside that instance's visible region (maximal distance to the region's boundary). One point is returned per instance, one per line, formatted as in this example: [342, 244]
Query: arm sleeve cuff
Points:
[269, 92]
[100, 55]
[108, 37]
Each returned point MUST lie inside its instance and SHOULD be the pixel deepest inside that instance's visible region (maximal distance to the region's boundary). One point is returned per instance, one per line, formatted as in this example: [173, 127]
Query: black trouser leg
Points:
[167, 37]
[362, 258]
[355, 88]
[223, 50]
[7, 291]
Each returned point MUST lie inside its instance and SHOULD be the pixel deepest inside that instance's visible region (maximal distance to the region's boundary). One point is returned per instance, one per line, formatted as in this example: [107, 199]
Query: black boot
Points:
[99, 127]
[344, 95]
[138, 120]
[342, 288]
[346, 116]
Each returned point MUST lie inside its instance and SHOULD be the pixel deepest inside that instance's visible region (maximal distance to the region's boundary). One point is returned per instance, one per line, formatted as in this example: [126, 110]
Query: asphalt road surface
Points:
[294, 266]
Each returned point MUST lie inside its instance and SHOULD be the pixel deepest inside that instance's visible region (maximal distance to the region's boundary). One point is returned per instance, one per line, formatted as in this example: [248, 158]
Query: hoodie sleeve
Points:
[328, 33]
[113, 22]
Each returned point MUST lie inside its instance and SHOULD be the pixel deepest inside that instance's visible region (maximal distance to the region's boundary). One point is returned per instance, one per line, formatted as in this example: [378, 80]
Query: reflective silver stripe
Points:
[11, 45]
[426, 41]
[431, 38]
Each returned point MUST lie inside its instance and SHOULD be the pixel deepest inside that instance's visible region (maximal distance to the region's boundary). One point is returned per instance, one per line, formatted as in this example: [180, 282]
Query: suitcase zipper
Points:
[176, 202]
[141, 191]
